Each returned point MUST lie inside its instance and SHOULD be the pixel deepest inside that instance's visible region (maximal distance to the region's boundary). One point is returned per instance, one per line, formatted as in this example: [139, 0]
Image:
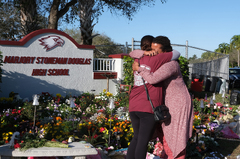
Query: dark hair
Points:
[165, 42]
[146, 42]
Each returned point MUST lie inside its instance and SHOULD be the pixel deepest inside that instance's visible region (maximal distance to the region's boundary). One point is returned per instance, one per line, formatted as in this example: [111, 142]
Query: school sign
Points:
[48, 60]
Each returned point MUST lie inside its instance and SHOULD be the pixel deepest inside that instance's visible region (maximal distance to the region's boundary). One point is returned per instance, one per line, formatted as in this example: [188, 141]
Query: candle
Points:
[214, 96]
[201, 104]
[111, 103]
[35, 99]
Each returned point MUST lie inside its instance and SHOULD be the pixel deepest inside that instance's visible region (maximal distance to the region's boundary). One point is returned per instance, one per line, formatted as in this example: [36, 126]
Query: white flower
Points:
[88, 109]
[111, 147]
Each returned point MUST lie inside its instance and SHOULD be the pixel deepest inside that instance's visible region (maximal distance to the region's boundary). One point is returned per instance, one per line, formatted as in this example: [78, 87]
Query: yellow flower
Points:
[58, 95]
[109, 94]
[5, 138]
[105, 131]
[128, 143]
[104, 90]
[110, 120]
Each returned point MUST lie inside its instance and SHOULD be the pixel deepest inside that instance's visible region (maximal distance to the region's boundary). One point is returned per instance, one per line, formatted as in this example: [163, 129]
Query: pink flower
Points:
[158, 149]
[102, 129]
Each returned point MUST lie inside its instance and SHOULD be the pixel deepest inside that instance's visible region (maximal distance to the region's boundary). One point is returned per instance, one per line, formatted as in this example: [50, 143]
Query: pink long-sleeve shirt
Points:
[177, 99]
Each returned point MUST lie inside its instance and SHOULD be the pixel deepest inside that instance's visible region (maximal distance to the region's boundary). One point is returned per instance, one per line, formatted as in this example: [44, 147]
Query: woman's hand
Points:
[150, 53]
[135, 66]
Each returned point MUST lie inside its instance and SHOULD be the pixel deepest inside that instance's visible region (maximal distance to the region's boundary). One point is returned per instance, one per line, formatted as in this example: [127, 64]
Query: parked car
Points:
[234, 77]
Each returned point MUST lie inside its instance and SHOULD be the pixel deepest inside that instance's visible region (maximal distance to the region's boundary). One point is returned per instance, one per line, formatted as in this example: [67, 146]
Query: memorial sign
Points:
[46, 60]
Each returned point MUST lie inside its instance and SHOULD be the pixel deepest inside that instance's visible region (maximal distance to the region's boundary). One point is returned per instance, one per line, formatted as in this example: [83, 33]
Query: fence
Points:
[213, 68]
[103, 64]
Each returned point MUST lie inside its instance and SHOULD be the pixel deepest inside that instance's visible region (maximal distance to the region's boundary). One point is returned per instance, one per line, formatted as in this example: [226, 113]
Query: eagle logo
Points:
[51, 42]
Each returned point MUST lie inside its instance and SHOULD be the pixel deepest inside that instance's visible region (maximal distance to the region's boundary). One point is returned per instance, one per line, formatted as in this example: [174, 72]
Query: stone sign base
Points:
[76, 150]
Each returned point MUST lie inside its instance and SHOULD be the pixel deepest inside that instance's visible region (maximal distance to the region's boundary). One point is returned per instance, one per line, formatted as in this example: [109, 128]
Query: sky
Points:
[203, 23]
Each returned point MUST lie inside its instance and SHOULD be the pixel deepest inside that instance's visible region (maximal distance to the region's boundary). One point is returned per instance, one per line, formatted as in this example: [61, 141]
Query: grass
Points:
[229, 148]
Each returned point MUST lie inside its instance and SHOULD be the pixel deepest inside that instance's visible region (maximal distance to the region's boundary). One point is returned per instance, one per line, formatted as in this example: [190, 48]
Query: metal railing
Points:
[103, 64]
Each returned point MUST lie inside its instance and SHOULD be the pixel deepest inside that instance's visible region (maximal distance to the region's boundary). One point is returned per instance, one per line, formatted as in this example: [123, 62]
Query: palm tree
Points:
[223, 48]
[235, 44]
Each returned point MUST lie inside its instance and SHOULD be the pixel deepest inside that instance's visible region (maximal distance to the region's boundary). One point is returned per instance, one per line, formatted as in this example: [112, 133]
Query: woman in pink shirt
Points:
[175, 133]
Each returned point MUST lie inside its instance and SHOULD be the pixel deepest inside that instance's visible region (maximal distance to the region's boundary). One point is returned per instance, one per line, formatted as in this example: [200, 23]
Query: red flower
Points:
[95, 136]
[6, 142]
[17, 146]
[196, 113]
[14, 111]
[198, 148]
[100, 110]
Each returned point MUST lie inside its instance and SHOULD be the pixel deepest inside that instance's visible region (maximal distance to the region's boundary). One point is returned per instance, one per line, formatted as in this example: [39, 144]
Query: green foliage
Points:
[104, 44]
[31, 141]
[85, 100]
[127, 68]
[196, 106]
[9, 22]
[122, 98]
[28, 111]
[183, 62]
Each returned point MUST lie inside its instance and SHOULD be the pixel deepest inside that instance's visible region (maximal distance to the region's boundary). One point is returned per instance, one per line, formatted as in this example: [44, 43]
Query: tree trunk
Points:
[53, 15]
[28, 16]
[86, 21]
